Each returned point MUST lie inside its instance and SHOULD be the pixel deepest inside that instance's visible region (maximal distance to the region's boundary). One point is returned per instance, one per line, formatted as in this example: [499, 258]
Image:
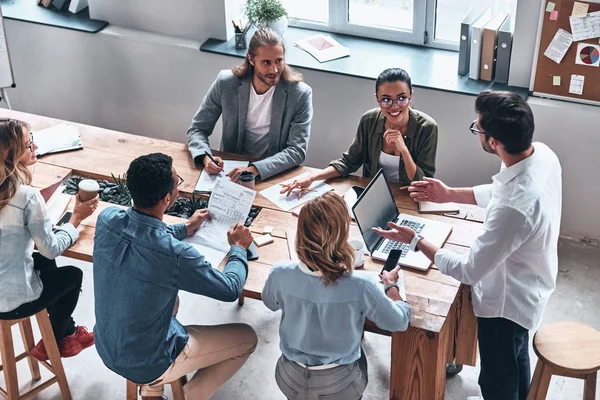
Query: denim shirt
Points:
[140, 264]
[322, 324]
[23, 223]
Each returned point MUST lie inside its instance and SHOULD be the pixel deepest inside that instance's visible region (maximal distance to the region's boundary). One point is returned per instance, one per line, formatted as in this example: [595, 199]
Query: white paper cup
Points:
[88, 189]
[359, 252]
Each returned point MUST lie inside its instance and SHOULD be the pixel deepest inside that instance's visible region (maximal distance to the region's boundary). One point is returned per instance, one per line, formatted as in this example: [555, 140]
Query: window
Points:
[434, 23]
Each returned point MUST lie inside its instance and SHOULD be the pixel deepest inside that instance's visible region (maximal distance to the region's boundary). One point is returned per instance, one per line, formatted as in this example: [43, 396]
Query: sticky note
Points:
[580, 9]
[268, 229]
[263, 240]
[554, 15]
[550, 6]
[556, 80]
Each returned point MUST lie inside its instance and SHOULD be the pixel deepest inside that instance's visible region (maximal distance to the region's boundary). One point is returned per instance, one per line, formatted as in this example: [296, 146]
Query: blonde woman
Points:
[324, 306]
[31, 282]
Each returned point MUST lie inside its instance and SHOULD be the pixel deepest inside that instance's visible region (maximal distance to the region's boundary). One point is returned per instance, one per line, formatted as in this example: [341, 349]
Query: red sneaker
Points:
[39, 351]
[72, 345]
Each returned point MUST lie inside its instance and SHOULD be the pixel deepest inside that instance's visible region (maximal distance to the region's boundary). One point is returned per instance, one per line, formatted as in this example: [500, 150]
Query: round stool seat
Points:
[569, 345]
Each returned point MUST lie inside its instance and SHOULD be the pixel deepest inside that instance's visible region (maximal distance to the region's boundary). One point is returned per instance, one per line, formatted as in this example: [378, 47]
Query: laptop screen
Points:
[375, 207]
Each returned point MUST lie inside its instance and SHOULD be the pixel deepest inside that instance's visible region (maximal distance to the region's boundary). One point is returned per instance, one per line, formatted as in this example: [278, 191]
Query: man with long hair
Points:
[266, 108]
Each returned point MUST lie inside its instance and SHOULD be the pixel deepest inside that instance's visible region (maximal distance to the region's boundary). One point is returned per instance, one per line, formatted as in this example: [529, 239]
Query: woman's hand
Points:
[396, 139]
[83, 209]
[303, 183]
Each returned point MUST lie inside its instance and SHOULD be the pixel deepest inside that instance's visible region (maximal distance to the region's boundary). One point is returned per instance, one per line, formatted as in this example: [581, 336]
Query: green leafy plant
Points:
[185, 208]
[260, 12]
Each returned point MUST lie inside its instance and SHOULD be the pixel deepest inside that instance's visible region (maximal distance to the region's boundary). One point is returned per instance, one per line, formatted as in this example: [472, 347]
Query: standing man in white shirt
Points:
[266, 108]
[513, 265]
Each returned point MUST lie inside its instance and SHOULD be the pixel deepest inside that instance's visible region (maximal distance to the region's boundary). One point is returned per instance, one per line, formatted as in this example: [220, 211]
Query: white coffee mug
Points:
[359, 252]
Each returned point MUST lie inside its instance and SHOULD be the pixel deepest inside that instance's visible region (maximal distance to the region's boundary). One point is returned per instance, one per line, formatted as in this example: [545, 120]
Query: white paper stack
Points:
[57, 138]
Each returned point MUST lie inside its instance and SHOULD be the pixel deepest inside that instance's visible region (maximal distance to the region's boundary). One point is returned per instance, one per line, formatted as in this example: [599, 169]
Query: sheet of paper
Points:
[550, 6]
[585, 27]
[206, 182]
[576, 86]
[294, 199]
[229, 204]
[556, 80]
[554, 15]
[55, 138]
[558, 47]
[587, 54]
[213, 256]
[580, 9]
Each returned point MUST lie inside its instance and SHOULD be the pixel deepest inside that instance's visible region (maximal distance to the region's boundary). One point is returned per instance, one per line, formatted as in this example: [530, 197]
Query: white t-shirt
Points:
[390, 164]
[258, 122]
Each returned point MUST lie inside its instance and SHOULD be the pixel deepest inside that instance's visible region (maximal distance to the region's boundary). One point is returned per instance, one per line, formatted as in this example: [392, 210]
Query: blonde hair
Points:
[265, 37]
[13, 146]
[322, 237]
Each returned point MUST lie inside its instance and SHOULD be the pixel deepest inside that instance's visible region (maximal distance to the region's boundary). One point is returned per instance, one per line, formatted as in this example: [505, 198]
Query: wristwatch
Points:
[388, 286]
[413, 243]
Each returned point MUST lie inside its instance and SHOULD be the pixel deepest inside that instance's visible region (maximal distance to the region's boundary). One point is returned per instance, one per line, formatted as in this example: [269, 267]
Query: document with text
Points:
[206, 182]
[286, 203]
[229, 204]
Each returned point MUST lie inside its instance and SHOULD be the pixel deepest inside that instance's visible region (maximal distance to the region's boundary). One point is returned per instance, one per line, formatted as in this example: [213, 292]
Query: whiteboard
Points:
[6, 76]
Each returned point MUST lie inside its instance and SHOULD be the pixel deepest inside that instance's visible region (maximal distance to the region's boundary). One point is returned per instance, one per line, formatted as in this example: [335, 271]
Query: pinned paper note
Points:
[585, 27]
[556, 80]
[558, 47]
[550, 6]
[580, 9]
[576, 86]
[554, 15]
[588, 54]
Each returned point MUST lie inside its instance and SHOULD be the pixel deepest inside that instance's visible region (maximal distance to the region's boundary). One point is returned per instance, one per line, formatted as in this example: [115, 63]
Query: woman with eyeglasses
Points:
[31, 282]
[394, 136]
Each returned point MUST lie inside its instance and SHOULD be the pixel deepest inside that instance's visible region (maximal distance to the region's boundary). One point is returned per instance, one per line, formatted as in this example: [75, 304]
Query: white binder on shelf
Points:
[476, 37]
[464, 42]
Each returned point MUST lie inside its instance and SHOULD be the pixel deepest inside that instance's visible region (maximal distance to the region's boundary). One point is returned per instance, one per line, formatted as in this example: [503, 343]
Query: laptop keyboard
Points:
[393, 245]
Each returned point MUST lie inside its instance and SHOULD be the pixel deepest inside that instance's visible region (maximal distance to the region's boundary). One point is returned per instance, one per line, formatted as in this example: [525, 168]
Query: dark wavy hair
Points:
[506, 117]
[149, 179]
[265, 37]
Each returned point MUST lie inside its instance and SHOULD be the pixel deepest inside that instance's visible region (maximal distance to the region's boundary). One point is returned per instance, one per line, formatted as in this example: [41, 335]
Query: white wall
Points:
[151, 85]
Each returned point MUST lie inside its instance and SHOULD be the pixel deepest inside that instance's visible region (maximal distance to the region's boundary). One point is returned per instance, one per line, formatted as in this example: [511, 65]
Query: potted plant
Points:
[267, 13]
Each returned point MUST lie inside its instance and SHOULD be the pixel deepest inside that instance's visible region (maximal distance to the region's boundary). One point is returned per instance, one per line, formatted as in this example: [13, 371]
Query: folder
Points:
[428, 207]
[489, 44]
[476, 36]
[464, 43]
[505, 38]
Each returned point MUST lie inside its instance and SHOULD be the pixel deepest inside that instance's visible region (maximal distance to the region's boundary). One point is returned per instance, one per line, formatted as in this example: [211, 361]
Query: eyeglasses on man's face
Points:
[474, 130]
[387, 102]
[179, 181]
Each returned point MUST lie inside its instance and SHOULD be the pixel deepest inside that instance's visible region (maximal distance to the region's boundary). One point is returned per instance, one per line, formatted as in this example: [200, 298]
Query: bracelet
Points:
[388, 286]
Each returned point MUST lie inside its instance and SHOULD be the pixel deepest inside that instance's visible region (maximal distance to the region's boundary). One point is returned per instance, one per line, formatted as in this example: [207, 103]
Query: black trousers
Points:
[505, 367]
[59, 295]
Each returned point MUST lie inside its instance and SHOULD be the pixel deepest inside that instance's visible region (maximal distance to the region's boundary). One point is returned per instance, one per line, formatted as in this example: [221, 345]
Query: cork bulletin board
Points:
[578, 60]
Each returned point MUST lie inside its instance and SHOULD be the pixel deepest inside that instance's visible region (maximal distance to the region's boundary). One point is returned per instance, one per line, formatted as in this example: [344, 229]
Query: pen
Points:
[211, 158]
[236, 27]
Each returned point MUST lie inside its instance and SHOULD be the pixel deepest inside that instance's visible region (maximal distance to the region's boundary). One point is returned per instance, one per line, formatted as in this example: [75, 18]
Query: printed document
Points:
[318, 188]
[207, 182]
[585, 27]
[559, 46]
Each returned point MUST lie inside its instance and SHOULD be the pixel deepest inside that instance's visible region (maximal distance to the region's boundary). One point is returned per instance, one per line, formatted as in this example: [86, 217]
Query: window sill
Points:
[29, 11]
[429, 68]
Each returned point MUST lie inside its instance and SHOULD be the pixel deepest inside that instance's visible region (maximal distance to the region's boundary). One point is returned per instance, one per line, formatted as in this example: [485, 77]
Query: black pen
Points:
[211, 158]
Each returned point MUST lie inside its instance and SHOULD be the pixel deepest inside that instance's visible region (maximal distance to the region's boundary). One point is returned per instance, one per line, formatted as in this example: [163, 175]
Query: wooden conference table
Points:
[443, 326]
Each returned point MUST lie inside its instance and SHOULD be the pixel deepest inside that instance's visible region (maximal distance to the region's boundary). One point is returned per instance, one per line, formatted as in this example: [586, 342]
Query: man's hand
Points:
[210, 167]
[388, 277]
[398, 233]
[235, 173]
[298, 184]
[196, 220]
[395, 137]
[430, 189]
[239, 235]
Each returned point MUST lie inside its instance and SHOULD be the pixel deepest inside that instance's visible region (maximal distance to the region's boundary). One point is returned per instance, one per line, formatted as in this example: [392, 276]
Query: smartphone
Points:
[252, 252]
[64, 219]
[392, 260]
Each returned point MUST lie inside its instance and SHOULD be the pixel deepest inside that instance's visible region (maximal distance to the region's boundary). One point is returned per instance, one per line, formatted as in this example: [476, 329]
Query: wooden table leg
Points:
[418, 369]
[241, 300]
[589, 388]
[465, 338]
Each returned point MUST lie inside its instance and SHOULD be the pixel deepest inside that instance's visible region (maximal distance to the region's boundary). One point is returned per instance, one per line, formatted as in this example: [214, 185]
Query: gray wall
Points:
[150, 84]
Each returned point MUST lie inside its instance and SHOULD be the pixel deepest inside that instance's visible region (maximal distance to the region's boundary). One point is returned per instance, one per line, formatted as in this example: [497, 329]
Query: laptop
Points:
[376, 207]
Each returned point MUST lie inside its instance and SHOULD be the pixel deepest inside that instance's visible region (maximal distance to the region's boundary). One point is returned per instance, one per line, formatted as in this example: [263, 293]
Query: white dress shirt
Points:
[513, 265]
[23, 223]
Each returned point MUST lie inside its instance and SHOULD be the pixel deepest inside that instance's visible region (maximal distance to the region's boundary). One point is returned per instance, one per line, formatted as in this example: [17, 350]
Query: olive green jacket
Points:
[420, 138]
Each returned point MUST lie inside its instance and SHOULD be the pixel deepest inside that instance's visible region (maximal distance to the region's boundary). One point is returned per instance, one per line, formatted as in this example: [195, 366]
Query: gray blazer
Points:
[288, 133]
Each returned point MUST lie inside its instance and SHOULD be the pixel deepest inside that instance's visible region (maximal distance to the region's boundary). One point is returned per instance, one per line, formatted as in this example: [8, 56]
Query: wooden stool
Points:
[176, 388]
[567, 349]
[9, 360]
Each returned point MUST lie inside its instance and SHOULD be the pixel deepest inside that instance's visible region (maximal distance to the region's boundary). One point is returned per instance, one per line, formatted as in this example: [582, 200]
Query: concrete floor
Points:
[576, 298]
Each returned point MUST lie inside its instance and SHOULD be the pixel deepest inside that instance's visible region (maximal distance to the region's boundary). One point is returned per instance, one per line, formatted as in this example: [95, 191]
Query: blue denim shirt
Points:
[322, 324]
[140, 264]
